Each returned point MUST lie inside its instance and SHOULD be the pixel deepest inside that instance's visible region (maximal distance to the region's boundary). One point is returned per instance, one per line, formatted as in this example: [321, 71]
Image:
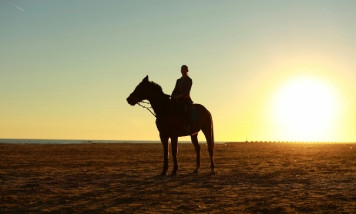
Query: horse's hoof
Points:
[212, 172]
[196, 171]
[163, 174]
[174, 174]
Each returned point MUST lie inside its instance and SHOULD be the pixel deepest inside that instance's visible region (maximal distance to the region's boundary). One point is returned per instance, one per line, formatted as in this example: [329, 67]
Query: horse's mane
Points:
[156, 86]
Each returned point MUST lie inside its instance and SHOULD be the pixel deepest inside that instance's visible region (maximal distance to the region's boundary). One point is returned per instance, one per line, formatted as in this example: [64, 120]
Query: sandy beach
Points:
[112, 178]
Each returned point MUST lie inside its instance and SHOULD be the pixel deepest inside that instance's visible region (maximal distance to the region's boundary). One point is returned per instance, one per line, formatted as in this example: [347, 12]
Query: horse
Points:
[169, 123]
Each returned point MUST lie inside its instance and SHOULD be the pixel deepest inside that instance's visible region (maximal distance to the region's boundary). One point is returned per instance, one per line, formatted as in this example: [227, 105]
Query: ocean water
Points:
[56, 141]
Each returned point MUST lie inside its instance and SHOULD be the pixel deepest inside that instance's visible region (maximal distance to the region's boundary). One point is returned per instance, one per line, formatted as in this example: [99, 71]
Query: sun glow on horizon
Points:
[305, 109]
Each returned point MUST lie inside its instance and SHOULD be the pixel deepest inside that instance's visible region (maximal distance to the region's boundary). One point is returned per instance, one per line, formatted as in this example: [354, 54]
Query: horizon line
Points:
[154, 141]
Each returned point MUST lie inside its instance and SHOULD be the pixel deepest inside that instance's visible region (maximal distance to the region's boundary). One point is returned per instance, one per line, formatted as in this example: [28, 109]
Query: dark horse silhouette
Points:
[169, 123]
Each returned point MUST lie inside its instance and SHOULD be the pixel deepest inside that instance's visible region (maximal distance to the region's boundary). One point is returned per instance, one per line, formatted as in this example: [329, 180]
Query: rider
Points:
[181, 94]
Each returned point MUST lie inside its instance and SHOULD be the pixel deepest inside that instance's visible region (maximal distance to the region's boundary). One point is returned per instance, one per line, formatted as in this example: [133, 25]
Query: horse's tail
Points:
[207, 126]
[211, 144]
[212, 132]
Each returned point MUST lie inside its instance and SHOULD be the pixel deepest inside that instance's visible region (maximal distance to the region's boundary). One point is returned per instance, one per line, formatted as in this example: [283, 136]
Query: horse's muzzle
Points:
[131, 100]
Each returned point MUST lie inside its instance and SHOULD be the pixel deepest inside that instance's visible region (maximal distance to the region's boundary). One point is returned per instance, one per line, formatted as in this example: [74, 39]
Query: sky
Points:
[267, 70]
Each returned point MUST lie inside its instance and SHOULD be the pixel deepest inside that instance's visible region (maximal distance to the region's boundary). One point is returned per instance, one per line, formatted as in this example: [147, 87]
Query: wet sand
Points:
[112, 178]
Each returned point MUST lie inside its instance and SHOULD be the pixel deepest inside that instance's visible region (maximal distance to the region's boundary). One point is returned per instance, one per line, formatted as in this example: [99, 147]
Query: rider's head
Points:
[184, 70]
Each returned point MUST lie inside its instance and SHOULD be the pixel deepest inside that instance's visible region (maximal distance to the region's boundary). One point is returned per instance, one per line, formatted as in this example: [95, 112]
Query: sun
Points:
[305, 109]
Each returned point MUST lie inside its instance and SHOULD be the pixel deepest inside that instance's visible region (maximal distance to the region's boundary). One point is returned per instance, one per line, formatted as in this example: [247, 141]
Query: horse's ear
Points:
[145, 79]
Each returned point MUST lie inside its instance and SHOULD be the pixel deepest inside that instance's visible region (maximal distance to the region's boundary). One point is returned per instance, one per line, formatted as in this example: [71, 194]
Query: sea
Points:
[61, 141]
[64, 141]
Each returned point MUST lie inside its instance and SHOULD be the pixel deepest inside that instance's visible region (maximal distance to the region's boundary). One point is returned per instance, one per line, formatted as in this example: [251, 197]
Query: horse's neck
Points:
[160, 104]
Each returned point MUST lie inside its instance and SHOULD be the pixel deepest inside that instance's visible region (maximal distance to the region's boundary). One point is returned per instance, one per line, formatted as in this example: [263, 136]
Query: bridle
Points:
[148, 108]
[145, 107]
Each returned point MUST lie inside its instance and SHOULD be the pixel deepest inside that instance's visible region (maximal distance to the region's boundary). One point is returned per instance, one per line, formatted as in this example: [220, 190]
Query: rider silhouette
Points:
[181, 94]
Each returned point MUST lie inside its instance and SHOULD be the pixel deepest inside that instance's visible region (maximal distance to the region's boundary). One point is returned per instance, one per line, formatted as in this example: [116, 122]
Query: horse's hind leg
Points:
[197, 151]
[208, 132]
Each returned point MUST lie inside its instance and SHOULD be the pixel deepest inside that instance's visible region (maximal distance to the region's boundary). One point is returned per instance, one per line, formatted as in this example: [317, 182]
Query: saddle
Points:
[186, 110]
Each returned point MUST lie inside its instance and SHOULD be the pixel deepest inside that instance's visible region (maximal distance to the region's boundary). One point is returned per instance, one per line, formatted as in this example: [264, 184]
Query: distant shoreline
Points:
[64, 142]
[60, 141]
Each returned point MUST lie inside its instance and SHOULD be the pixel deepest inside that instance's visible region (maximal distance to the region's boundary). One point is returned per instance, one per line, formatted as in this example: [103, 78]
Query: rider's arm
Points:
[175, 90]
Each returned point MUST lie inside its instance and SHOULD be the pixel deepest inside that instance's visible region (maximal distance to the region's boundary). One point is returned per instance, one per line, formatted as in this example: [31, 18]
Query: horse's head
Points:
[140, 93]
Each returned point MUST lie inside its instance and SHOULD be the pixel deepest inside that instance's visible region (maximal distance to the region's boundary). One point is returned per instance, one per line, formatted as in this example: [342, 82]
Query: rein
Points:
[148, 108]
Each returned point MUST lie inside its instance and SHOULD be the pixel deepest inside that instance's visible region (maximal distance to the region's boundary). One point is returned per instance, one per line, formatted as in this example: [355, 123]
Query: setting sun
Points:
[306, 109]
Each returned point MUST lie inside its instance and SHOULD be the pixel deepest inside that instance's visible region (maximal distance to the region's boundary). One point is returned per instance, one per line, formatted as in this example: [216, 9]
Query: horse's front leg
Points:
[164, 140]
[174, 142]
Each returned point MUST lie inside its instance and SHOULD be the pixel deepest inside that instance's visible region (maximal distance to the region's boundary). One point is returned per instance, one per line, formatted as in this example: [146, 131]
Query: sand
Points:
[113, 178]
